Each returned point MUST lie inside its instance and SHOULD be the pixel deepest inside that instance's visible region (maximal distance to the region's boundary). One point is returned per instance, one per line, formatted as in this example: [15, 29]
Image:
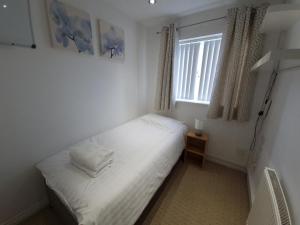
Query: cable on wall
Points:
[264, 110]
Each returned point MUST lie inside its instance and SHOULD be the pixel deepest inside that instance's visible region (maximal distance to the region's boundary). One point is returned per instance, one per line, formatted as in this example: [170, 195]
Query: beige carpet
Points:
[213, 195]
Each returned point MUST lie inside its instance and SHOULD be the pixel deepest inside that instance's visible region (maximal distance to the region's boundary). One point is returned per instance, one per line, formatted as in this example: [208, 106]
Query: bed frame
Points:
[60, 209]
[68, 218]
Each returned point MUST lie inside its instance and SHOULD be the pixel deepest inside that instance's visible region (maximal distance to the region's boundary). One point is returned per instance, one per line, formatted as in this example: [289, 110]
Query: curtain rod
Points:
[205, 21]
[194, 24]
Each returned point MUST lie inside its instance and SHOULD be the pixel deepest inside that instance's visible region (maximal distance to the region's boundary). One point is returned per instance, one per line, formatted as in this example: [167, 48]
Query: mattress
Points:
[145, 151]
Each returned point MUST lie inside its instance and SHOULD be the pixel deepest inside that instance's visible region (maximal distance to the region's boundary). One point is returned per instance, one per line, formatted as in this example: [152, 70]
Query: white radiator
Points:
[269, 207]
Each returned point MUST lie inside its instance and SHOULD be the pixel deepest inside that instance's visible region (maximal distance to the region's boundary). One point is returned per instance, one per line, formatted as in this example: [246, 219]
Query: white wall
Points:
[229, 141]
[280, 140]
[51, 98]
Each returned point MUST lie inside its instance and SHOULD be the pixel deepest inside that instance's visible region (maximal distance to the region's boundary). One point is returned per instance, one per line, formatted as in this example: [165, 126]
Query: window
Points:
[197, 67]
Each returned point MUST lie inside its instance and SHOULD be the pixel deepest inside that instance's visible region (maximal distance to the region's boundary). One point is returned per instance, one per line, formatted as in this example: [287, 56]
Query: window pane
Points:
[197, 66]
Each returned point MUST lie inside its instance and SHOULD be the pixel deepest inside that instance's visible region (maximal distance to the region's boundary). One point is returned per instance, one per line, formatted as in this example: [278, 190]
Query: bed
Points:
[145, 151]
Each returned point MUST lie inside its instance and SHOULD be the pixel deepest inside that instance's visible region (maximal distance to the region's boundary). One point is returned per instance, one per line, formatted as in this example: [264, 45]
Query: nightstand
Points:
[195, 145]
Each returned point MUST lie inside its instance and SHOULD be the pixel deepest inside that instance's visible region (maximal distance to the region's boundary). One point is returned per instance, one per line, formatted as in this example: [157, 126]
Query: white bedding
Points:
[145, 150]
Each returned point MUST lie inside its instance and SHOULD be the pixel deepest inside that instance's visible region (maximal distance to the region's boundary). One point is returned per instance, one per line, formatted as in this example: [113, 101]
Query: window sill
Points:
[192, 101]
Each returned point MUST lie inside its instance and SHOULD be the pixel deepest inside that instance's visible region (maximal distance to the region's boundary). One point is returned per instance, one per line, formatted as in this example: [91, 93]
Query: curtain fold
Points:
[164, 92]
[233, 91]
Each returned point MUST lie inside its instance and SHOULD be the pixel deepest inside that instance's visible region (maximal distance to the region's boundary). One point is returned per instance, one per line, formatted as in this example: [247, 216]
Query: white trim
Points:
[226, 163]
[193, 101]
[26, 213]
[211, 37]
[251, 186]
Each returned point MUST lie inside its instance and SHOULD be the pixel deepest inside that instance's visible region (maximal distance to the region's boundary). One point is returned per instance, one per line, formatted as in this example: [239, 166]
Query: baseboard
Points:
[226, 163]
[26, 213]
[251, 186]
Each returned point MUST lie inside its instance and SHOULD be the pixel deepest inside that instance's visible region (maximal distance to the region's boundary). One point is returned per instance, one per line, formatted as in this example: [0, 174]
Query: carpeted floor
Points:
[213, 195]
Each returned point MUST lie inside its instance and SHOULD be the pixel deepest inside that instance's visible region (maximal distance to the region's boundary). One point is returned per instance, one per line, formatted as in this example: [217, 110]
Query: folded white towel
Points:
[90, 157]
[89, 172]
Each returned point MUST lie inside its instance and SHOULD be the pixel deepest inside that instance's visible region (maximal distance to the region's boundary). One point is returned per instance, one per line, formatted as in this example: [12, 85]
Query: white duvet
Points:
[145, 150]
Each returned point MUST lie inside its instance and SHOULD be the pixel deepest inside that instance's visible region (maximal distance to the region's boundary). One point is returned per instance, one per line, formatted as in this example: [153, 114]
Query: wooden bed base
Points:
[69, 219]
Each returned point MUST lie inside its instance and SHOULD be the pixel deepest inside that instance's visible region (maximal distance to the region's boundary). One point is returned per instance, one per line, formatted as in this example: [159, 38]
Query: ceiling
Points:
[149, 15]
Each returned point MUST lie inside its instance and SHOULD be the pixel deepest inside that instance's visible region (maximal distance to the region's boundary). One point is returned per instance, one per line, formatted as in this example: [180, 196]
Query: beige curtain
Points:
[234, 87]
[165, 70]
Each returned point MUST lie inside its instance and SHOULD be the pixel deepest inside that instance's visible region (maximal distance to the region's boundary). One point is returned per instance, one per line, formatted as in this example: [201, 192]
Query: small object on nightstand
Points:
[195, 145]
[199, 125]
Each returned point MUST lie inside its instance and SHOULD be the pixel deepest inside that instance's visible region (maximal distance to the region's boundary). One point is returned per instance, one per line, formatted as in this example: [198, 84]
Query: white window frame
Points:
[214, 57]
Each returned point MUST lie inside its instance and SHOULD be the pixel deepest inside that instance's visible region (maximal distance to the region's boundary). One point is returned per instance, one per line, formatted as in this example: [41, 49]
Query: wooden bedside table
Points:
[195, 145]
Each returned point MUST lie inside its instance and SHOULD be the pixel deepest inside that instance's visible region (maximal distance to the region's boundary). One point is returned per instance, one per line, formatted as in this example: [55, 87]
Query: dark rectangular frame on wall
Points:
[30, 27]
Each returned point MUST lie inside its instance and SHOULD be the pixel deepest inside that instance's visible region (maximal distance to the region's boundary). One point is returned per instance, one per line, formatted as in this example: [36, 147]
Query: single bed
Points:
[145, 151]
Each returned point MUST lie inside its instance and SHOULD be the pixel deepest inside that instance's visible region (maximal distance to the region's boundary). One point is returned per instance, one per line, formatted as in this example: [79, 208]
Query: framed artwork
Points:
[70, 27]
[111, 41]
